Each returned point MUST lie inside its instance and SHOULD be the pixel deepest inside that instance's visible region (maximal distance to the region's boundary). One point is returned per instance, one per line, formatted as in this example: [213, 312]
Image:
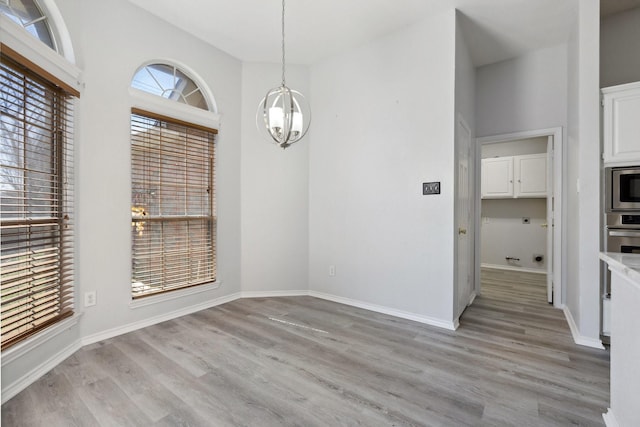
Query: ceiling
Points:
[250, 29]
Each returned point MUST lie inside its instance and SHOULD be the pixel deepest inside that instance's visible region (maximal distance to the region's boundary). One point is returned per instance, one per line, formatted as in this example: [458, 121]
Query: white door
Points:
[463, 220]
[550, 220]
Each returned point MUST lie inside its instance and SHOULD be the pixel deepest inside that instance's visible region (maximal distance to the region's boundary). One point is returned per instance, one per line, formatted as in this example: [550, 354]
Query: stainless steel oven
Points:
[622, 189]
[626, 241]
[622, 208]
[623, 235]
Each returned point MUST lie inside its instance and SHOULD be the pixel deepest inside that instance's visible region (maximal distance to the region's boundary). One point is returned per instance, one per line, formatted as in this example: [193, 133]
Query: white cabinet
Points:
[621, 124]
[530, 173]
[514, 177]
[497, 178]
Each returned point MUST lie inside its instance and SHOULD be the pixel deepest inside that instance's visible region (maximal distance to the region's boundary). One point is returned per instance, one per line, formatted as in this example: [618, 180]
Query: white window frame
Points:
[156, 104]
[62, 67]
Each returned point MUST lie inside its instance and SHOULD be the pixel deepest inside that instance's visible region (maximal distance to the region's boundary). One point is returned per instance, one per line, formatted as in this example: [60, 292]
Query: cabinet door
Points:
[497, 178]
[530, 174]
[621, 127]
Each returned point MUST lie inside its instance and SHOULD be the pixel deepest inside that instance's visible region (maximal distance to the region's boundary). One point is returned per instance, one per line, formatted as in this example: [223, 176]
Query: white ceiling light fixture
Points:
[283, 115]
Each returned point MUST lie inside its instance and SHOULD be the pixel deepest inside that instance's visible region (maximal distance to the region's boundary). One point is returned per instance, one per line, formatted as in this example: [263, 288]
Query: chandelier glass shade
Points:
[283, 115]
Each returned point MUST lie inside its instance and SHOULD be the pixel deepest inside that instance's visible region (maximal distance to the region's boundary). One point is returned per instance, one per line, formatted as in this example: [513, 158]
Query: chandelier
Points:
[283, 115]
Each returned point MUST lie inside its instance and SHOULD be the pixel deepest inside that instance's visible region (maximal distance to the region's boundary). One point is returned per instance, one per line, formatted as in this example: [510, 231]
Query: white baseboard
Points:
[451, 325]
[610, 418]
[271, 294]
[513, 268]
[472, 298]
[33, 375]
[114, 332]
[577, 337]
[26, 380]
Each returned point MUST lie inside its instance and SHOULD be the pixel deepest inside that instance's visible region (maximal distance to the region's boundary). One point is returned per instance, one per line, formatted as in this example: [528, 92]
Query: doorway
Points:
[511, 205]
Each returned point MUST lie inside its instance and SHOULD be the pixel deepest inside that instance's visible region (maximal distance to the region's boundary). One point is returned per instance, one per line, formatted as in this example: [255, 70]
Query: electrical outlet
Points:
[332, 270]
[90, 299]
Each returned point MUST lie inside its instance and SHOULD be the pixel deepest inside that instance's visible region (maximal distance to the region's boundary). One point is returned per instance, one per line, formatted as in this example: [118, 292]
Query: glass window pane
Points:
[173, 227]
[35, 200]
[28, 14]
[169, 82]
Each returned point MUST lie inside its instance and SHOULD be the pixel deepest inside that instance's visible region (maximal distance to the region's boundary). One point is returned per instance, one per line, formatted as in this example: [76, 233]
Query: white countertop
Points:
[626, 264]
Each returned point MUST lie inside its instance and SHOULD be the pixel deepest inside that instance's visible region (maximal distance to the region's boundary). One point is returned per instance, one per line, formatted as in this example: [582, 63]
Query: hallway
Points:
[561, 382]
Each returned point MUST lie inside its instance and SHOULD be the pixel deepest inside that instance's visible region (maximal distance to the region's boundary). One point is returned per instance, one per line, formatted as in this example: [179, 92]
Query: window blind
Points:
[173, 222]
[36, 201]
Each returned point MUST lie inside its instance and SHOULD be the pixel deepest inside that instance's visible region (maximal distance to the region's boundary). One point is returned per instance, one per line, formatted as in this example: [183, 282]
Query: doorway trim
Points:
[559, 233]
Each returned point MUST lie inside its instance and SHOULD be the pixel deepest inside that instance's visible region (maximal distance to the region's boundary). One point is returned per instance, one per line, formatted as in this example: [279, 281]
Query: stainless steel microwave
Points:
[622, 189]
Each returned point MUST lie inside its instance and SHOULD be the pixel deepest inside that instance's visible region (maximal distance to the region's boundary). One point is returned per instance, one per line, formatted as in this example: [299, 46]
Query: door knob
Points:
[462, 231]
[544, 225]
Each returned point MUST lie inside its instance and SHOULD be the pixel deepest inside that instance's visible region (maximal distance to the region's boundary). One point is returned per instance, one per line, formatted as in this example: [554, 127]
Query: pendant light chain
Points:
[283, 81]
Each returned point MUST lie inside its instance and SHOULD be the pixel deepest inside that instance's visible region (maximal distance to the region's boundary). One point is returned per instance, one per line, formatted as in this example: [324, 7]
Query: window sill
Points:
[156, 299]
[26, 346]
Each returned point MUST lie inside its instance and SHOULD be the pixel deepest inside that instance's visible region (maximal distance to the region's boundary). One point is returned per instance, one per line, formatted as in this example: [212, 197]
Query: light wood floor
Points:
[309, 362]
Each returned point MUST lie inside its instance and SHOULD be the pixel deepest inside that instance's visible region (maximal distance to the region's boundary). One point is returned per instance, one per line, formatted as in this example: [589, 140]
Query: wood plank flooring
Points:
[308, 362]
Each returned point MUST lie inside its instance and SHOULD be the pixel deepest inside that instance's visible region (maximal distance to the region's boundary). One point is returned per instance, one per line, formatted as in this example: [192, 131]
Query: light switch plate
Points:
[431, 188]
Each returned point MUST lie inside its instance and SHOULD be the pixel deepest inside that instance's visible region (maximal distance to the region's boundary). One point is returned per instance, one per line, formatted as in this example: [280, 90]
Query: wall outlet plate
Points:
[431, 188]
[90, 299]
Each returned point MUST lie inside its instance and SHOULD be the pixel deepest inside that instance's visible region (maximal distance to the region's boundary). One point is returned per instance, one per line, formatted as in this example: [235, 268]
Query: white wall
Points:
[504, 234]
[525, 93]
[275, 186]
[465, 84]
[111, 40]
[571, 291]
[519, 147]
[383, 125]
[582, 295]
[620, 48]
[589, 167]
[104, 154]
[502, 231]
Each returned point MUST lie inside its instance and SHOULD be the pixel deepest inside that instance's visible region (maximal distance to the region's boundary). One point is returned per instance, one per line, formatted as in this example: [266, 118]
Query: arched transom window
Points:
[173, 219]
[169, 82]
[28, 14]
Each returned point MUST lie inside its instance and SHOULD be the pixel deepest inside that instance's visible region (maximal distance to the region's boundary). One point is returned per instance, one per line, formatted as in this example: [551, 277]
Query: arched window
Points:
[28, 14]
[169, 82]
[173, 221]
[37, 100]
